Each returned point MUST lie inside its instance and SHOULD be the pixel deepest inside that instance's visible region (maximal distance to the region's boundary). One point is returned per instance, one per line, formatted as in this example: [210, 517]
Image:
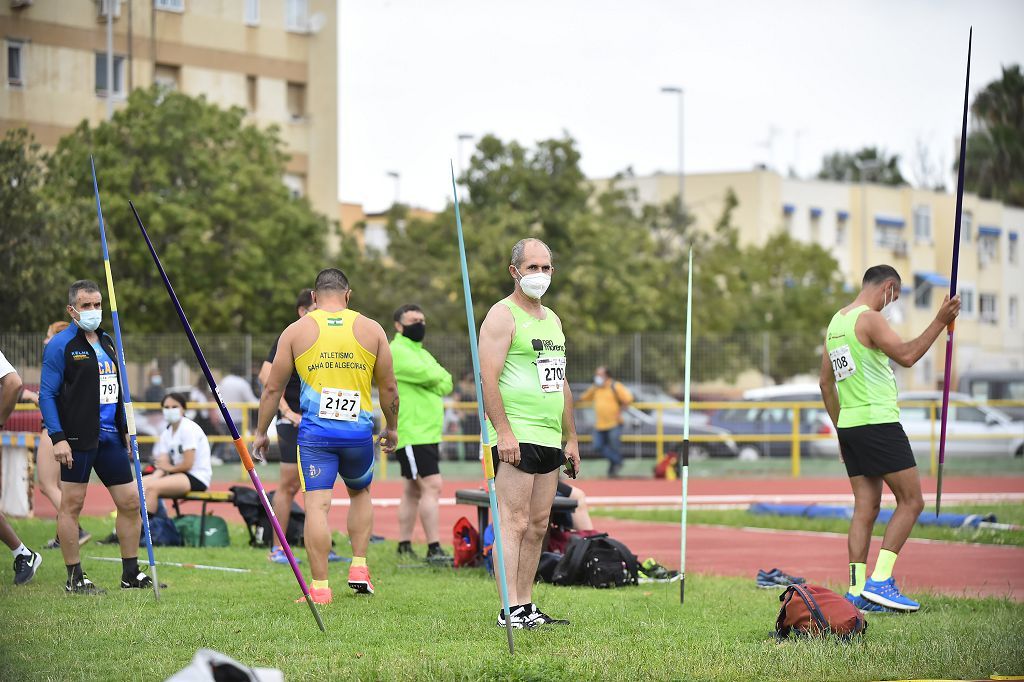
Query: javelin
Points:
[952, 277]
[173, 563]
[129, 412]
[243, 451]
[686, 433]
[484, 437]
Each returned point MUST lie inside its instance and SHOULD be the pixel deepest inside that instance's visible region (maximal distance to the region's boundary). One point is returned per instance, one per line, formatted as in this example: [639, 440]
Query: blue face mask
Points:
[89, 320]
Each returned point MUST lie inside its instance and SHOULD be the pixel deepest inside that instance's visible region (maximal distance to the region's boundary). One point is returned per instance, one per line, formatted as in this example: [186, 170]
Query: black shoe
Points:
[518, 617]
[53, 544]
[84, 536]
[613, 470]
[537, 618]
[25, 566]
[139, 582]
[407, 552]
[109, 540]
[83, 586]
[438, 557]
[375, 539]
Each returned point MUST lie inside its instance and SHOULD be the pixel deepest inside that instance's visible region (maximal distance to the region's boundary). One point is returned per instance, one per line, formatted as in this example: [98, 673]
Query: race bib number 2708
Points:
[842, 362]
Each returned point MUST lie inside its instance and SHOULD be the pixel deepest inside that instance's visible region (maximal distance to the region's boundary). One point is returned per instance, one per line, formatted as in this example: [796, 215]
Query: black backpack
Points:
[261, 531]
[598, 561]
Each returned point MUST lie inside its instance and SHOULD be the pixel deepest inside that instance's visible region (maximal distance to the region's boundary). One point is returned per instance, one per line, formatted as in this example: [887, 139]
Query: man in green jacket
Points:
[422, 382]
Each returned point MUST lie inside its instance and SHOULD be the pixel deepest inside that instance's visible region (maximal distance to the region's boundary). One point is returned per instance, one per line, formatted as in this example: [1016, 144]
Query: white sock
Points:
[21, 550]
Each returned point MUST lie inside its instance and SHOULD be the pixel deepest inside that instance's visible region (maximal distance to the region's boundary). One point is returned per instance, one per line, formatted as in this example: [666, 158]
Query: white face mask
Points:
[89, 320]
[172, 414]
[599, 380]
[534, 285]
[887, 304]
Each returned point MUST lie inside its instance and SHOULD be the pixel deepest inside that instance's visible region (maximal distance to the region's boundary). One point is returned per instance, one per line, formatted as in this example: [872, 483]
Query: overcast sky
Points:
[813, 76]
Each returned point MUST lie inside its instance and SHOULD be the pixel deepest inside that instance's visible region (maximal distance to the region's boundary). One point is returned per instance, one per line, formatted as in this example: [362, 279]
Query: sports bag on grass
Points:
[261, 531]
[215, 530]
[466, 542]
[598, 561]
[815, 611]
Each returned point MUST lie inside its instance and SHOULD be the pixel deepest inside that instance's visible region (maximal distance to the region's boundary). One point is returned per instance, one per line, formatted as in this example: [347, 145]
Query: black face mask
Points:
[414, 332]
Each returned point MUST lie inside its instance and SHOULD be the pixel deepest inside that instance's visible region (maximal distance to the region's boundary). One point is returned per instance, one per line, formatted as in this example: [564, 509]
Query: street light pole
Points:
[397, 178]
[462, 137]
[676, 90]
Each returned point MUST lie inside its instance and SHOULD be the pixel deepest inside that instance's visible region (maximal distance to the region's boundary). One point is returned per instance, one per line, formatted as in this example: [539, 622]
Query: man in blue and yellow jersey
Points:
[859, 390]
[336, 353]
[530, 420]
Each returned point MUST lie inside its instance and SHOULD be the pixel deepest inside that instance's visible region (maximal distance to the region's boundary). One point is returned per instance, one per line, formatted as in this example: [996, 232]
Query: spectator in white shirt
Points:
[182, 456]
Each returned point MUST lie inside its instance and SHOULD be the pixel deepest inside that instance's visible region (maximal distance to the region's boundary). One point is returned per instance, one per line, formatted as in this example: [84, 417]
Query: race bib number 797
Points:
[842, 362]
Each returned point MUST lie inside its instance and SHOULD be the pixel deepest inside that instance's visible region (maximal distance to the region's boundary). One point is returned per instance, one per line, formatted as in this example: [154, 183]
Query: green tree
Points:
[208, 187]
[878, 167]
[792, 291]
[994, 166]
[35, 246]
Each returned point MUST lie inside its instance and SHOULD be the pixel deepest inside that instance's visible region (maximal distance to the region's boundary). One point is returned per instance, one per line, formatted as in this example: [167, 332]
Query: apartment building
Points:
[866, 224]
[276, 58]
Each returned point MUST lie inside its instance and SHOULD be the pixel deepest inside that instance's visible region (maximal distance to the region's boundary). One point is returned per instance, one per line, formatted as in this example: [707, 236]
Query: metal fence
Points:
[656, 359]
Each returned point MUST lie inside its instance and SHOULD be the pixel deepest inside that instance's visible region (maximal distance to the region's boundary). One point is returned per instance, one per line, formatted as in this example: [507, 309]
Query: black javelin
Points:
[243, 451]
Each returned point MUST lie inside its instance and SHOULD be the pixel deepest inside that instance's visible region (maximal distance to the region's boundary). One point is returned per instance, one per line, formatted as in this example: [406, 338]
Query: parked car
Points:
[962, 420]
[636, 422]
[996, 385]
[777, 421]
[651, 393]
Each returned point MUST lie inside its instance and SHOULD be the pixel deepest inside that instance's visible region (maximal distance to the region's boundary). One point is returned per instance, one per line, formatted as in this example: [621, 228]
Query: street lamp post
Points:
[397, 178]
[676, 90]
[462, 137]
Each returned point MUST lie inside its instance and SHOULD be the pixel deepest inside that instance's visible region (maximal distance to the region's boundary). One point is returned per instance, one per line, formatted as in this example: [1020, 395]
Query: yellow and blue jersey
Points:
[335, 376]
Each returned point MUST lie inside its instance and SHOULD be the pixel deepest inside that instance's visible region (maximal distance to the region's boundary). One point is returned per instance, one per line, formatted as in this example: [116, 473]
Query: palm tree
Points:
[995, 148]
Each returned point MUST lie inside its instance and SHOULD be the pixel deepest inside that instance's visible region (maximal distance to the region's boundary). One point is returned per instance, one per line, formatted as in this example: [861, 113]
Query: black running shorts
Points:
[287, 437]
[875, 449]
[195, 484]
[418, 461]
[534, 459]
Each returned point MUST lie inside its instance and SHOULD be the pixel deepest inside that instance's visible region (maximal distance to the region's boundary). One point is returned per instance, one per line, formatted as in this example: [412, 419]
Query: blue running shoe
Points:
[278, 556]
[885, 593]
[865, 606]
[333, 557]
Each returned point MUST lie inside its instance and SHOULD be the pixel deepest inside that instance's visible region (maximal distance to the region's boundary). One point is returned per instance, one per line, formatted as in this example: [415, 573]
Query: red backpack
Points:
[815, 611]
[466, 540]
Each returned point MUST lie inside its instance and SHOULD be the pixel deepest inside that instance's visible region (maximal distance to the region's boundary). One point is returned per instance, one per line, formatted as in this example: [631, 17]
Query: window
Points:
[988, 249]
[979, 390]
[1012, 254]
[15, 69]
[888, 237]
[297, 101]
[923, 224]
[251, 100]
[170, 5]
[1012, 311]
[841, 232]
[252, 12]
[988, 309]
[297, 15]
[101, 75]
[966, 413]
[296, 185]
[167, 76]
[922, 292]
[924, 371]
[967, 301]
[966, 224]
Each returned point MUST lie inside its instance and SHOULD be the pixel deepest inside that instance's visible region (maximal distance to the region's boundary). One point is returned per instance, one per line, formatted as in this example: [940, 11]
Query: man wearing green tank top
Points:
[530, 421]
[859, 390]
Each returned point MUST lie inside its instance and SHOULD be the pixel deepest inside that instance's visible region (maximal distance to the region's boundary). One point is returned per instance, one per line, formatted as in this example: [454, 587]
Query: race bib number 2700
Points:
[339, 404]
[551, 372]
[842, 362]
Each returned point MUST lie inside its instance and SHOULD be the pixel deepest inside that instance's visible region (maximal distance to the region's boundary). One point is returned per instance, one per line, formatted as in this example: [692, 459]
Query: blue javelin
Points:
[485, 437]
[129, 413]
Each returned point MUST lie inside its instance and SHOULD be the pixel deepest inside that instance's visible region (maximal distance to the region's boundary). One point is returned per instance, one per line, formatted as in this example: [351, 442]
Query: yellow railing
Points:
[795, 437]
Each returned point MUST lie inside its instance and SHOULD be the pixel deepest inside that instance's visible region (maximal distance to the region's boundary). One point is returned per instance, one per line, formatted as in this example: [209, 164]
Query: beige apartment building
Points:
[276, 58]
[866, 224]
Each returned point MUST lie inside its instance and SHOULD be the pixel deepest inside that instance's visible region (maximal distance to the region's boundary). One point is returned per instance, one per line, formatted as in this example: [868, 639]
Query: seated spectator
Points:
[580, 518]
[181, 456]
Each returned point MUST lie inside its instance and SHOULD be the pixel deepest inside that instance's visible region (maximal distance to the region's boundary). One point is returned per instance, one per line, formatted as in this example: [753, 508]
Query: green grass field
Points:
[439, 624]
[1005, 513]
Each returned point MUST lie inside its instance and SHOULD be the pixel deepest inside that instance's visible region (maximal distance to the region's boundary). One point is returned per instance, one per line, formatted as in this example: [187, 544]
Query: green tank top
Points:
[532, 379]
[866, 383]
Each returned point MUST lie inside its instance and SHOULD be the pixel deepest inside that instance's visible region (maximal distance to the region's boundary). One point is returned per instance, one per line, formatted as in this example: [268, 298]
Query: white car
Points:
[997, 434]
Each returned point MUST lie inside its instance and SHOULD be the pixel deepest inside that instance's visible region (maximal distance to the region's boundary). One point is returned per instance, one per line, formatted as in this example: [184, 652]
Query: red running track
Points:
[948, 568]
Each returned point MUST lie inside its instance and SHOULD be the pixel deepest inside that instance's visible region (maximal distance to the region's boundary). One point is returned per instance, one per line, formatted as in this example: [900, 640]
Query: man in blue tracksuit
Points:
[80, 398]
